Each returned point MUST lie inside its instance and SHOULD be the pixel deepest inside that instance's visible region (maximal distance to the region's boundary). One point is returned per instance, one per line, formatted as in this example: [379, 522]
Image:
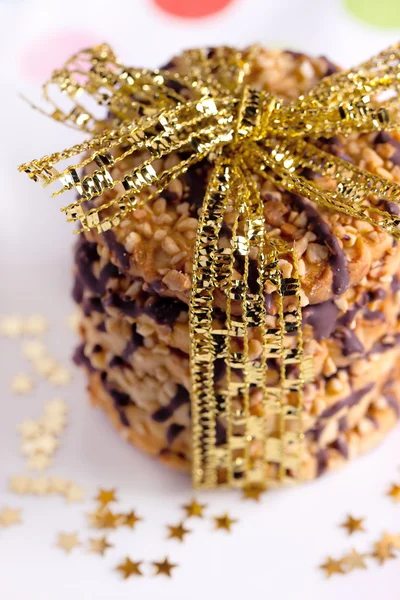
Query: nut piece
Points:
[176, 281]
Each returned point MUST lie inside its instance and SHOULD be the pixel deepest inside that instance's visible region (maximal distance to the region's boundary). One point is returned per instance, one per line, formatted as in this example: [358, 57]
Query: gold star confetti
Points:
[394, 492]
[130, 519]
[224, 522]
[10, 516]
[21, 384]
[332, 567]
[253, 492]
[177, 532]
[58, 485]
[28, 448]
[392, 540]
[104, 519]
[104, 497]
[68, 541]
[53, 423]
[19, 484]
[74, 493]
[38, 462]
[128, 568]
[33, 349]
[11, 326]
[194, 509]
[383, 551]
[40, 486]
[29, 429]
[57, 406]
[60, 376]
[164, 567]
[45, 365]
[35, 325]
[99, 545]
[354, 560]
[47, 444]
[352, 525]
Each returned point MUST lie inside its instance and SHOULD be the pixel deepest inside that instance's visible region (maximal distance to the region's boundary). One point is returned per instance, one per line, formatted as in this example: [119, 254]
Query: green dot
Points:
[380, 13]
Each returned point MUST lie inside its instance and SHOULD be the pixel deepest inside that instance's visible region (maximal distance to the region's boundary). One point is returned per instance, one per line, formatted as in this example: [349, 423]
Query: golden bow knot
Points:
[206, 109]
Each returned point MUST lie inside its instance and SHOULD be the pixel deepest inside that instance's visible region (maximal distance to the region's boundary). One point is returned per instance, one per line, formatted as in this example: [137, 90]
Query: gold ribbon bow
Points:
[248, 135]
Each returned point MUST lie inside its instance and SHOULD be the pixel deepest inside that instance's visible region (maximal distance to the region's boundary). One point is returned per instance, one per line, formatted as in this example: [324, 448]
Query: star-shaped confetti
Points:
[60, 376]
[29, 429]
[10, 516]
[129, 568]
[332, 567]
[224, 522]
[383, 551]
[104, 497]
[33, 349]
[19, 484]
[164, 567]
[21, 384]
[352, 525]
[194, 509]
[59, 485]
[40, 486]
[35, 325]
[130, 519]
[11, 326]
[104, 519]
[57, 406]
[391, 539]
[47, 444]
[45, 365]
[177, 532]
[354, 560]
[394, 492]
[253, 492]
[68, 541]
[99, 545]
[38, 462]
[74, 493]
[53, 423]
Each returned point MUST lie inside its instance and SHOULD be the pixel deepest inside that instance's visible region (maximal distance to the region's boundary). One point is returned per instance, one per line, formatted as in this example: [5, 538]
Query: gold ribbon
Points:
[210, 111]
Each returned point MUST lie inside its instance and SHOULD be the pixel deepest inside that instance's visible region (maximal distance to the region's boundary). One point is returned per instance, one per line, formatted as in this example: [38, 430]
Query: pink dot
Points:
[192, 9]
[43, 55]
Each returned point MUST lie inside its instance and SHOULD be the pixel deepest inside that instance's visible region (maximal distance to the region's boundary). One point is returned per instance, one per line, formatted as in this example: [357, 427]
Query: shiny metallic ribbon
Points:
[208, 111]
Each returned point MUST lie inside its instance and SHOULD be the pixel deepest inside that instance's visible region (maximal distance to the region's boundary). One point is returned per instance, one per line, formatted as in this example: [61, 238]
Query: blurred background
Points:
[36, 36]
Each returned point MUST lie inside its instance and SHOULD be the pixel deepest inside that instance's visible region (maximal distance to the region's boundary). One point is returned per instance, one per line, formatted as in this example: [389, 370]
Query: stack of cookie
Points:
[132, 285]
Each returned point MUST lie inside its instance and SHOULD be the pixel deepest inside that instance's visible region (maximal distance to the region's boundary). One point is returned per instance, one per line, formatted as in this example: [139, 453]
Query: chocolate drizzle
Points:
[165, 412]
[80, 359]
[173, 431]
[337, 258]
[349, 341]
[85, 256]
[322, 317]
[134, 343]
[348, 402]
[120, 251]
[164, 310]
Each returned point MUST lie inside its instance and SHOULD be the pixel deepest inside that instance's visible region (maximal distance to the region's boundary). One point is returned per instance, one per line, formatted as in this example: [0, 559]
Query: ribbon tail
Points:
[358, 193]
[281, 371]
[363, 99]
[247, 424]
[204, 350]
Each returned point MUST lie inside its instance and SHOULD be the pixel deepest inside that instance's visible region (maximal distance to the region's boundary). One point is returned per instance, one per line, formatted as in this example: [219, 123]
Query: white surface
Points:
[276, 545]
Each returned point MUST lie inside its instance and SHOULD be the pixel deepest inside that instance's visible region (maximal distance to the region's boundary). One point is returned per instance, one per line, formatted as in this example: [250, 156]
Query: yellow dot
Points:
[379, 13]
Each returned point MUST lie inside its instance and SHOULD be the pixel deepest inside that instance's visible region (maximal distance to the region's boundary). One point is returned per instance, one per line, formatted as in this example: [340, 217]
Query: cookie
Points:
[133, 285]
